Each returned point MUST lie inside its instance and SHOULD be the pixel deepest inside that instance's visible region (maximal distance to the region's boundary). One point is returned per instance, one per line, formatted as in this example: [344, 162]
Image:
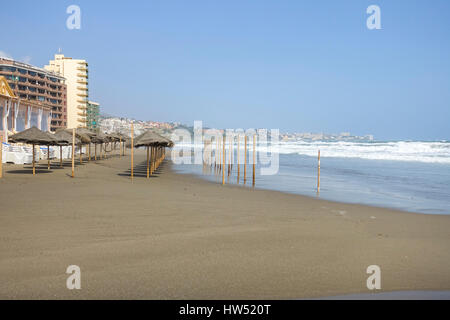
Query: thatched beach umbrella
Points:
[103, 139]
[157, 143]
[82, 136]
[34, 136]
[85, 136]
[122, 140]
[114, 138]
[64, 134]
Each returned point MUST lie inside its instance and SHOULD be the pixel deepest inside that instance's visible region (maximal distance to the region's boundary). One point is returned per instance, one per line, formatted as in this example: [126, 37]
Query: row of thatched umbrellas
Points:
[155, 143]
[82, 136]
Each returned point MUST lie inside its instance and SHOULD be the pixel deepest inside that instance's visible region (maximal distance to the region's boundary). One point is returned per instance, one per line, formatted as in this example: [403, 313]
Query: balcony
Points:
[82, 69]
[83, 75]
[82, 81]
[82, 88]
[82, 95]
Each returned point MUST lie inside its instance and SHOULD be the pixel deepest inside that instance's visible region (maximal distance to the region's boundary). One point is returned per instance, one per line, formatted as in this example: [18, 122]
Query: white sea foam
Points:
[430, 152]
[415, 151]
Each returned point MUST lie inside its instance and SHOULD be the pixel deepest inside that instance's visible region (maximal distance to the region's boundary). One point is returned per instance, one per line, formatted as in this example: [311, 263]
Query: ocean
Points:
[407, 175]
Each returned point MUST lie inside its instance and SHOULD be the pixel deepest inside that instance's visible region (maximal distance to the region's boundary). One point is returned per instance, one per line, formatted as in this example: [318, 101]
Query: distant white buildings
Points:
[123, 125]
[344, 136]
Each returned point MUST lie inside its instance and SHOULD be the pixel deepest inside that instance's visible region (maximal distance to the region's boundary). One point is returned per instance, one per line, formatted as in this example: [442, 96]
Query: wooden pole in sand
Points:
[89, 151]
[48, 157]
[152, 155]
[60, 156]
[148, 162]
[95, 151]
[73, 153]
[120, 147]
[1, 156]
[223, 160]
[245, 159]
[132, 151]
[238, 165]
[81, 153]
[254, 158]
[318, 172]
[34, 161]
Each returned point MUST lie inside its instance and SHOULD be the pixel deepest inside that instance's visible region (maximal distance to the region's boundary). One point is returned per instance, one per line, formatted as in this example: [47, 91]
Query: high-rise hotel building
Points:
[76, 73]
[93, 114]
[37, 89]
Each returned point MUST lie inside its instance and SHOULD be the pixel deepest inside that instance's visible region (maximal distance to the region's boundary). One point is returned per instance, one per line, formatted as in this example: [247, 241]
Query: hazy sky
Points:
[293, 65]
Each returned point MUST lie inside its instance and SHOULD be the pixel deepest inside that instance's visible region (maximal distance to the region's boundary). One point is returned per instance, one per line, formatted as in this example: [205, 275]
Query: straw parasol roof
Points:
[35, 136]
[150, 138]
[169, 143]
[123, 136]
[114, 137]
[100, 137]
[65, 135]
[81, 136]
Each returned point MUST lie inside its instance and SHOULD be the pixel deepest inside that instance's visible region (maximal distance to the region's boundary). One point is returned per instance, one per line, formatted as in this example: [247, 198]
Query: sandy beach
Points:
[177, 236]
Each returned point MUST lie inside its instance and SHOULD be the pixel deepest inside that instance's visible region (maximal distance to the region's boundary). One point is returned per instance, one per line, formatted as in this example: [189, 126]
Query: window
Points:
[7, 69]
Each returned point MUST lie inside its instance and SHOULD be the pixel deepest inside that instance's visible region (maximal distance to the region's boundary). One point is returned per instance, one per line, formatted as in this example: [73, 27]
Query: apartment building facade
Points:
[76, 73]
[93, 114]
[37, 87]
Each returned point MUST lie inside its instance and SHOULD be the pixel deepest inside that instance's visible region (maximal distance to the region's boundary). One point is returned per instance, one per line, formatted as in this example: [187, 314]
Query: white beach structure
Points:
[17, 115]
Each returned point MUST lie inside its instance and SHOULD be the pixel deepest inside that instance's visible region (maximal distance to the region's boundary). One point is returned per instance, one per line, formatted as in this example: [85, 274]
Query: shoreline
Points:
[178, 236]
[241, 186]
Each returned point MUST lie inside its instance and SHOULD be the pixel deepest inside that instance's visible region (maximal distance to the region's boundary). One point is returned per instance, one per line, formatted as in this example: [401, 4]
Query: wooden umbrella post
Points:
[60, 156]
[254, 158]
[148, 163]
[81, 153]
[223, 160]
[157, 157]
[89, 151]
[132, 151]
[120, 147]
[318, 172]
[95, 151]
[48, 157]
[245, 159]
[73, 153]
[34, 161]
[152, 154]
[1, 156]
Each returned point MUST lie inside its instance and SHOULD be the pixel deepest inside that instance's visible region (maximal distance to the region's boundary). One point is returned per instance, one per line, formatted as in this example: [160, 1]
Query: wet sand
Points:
[176, 236]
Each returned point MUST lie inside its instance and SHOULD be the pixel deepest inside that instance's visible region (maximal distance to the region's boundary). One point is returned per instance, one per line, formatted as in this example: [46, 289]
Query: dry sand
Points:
[179, 237]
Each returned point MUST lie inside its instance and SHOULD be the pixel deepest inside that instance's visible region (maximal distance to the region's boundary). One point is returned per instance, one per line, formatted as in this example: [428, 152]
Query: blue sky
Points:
[293, 65]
